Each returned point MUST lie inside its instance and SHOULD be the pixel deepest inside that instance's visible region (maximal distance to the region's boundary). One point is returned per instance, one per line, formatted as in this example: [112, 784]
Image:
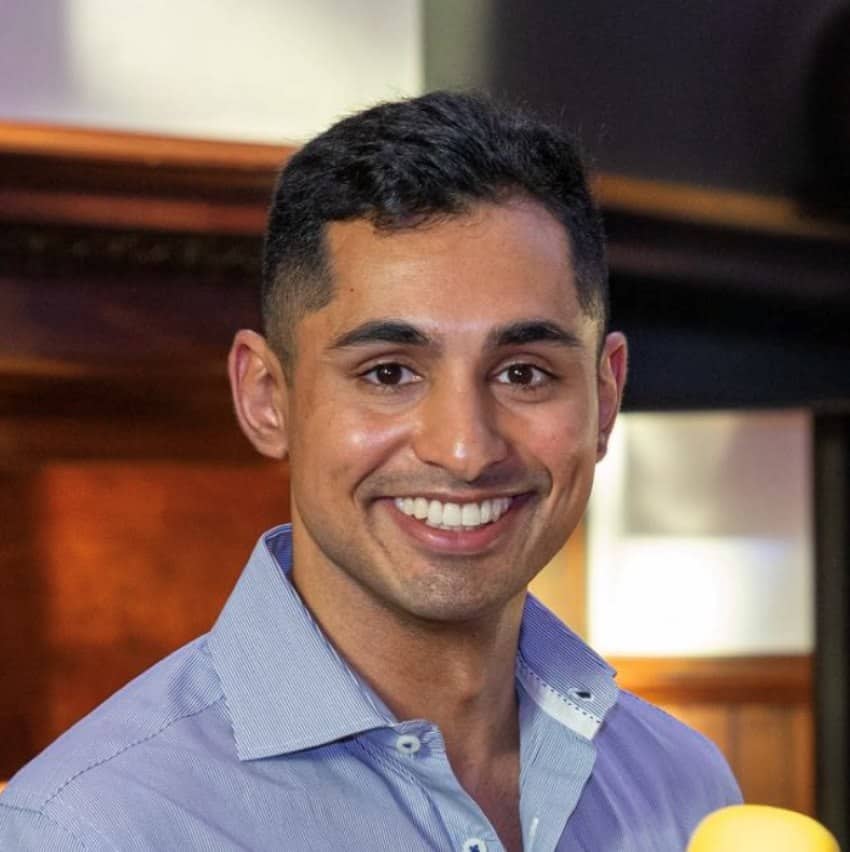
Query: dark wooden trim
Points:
[766, 214]
[53, 410]
[57, 142]
[250, 167]
[130, 211]
[81, 248]
[832, 618]
[97, 179]
[749, 245]
[689, 236]
[682, 680]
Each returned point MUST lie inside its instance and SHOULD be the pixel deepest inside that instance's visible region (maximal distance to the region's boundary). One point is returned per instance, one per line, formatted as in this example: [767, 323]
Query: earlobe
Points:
[611, 382]
[260, 393]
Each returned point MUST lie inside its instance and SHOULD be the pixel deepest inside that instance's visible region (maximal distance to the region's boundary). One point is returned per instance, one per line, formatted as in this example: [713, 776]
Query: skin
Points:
[453, 362]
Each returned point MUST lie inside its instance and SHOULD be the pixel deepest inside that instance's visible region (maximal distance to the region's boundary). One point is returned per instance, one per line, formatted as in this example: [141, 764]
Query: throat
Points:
[494, 785]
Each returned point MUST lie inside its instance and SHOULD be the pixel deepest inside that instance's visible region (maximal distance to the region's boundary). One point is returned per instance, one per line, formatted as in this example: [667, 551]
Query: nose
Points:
[458, 429]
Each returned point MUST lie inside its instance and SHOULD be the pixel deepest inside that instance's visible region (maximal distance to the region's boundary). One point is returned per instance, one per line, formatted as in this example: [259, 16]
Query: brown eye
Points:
[525, 376]
[389, 374]
[520, 374]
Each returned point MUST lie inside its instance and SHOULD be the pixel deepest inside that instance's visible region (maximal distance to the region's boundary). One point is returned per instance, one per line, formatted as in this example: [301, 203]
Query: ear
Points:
[260, 393]
[611, 379]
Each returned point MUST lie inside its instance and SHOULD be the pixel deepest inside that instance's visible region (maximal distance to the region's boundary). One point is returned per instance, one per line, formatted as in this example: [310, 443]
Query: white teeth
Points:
[470, 515]
[453, 516]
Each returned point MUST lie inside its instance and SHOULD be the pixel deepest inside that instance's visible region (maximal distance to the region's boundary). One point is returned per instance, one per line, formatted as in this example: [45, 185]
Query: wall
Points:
[703, 93]
[246, 69]
[700, 536]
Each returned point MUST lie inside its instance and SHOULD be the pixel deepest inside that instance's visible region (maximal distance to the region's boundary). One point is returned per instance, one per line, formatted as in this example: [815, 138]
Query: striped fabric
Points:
[259, 737]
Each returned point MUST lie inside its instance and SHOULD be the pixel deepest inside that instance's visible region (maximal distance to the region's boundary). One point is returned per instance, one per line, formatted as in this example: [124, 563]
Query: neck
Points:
[457, 675]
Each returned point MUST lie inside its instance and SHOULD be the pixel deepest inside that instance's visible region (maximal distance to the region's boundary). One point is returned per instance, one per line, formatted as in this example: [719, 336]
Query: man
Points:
[436, 368]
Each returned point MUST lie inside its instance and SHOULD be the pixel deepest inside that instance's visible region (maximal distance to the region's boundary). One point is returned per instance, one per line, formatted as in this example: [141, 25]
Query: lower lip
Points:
[463, 541]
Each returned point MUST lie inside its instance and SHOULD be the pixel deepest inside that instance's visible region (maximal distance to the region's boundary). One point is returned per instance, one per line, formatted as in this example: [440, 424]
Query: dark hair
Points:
[403, 163]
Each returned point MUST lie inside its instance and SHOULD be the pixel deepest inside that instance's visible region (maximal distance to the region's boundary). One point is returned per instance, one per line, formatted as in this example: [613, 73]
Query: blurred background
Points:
[138, 146]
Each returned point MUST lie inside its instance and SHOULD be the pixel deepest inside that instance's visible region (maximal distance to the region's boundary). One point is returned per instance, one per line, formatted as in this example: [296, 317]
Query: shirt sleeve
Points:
[32, 831]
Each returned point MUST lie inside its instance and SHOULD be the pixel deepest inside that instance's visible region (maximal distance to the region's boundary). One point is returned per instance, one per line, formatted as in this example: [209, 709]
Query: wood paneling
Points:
[137, 181]
[758, 710]
[128, 499]
[727, 208]
[773, 679]
[109, 566]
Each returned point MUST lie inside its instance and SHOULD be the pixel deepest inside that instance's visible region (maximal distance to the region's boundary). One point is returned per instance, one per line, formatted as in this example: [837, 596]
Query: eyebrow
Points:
[382, 331]
[532, 331]
[403, 333]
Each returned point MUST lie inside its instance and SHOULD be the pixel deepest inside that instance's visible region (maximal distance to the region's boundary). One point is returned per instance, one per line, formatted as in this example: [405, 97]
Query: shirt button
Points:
[474, 844]
[410, 744]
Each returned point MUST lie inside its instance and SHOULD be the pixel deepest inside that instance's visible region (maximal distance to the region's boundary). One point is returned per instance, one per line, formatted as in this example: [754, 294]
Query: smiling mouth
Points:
[456, 517]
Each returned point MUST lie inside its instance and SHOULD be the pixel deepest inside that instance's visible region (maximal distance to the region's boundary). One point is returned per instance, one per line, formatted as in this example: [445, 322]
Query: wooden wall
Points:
[128, 499]
[758, 710]
[108, 566]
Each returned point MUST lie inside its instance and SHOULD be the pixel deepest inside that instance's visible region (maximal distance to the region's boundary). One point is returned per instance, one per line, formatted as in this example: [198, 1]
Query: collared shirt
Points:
[258, 736]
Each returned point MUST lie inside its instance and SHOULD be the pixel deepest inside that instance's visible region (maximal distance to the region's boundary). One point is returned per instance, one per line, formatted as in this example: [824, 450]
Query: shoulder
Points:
[649, 742]
[107, 756]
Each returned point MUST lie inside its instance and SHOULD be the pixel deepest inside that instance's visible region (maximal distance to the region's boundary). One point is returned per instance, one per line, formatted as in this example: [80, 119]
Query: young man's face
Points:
[453, 375]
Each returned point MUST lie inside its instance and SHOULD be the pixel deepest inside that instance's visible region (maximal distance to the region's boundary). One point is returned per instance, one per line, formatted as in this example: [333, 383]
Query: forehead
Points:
[496, 264]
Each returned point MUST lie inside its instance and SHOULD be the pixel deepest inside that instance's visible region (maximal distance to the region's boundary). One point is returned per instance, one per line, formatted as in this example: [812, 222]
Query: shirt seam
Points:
[125, 748]
[41, 812]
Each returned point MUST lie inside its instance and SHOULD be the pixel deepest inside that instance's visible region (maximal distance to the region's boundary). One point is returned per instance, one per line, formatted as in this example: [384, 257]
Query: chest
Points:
[364, 796]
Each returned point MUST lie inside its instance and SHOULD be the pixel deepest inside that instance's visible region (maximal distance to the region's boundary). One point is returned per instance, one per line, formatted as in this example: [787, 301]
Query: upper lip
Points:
[468, 497]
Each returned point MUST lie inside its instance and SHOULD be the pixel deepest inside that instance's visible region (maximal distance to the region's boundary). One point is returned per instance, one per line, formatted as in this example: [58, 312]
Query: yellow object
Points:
[759, 828]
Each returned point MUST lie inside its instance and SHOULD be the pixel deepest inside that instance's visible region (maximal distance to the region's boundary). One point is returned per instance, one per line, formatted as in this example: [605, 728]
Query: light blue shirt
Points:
[258, 736]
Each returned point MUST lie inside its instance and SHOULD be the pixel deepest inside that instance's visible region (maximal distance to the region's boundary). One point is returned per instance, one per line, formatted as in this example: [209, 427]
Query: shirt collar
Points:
[287, 689]
[566, 678]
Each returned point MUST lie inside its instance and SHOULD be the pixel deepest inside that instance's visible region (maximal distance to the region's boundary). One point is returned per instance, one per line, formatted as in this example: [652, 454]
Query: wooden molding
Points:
[682, 680]
[139, 149]
[102, 179]
[34, 156]
[130, 211]
[689, 236]
[772, 215]
[83, 248]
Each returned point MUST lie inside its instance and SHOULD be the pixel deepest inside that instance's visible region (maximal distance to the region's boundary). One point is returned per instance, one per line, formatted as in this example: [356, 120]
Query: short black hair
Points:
[404, 163]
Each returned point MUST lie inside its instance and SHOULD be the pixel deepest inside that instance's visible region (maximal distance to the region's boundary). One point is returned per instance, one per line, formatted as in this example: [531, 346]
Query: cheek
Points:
[373, 435]
[559, 437]
[346, 442]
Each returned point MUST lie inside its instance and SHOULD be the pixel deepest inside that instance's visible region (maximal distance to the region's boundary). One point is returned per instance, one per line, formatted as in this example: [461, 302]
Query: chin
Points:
[449, 604]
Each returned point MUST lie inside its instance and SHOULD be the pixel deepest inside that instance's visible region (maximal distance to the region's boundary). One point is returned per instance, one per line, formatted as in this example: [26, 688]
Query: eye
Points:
[523, 375]
[390, 374]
